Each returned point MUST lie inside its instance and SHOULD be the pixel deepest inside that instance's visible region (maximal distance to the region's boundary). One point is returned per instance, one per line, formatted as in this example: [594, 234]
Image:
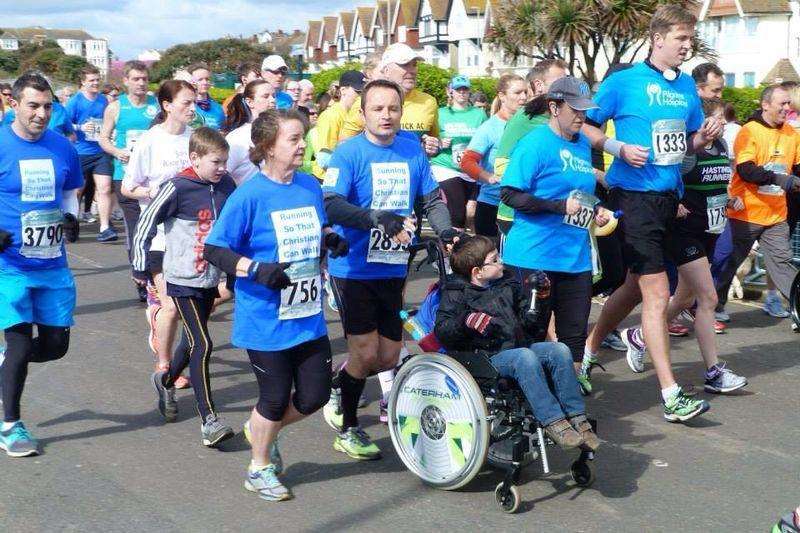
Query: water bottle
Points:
[610, 226]
[411, 326]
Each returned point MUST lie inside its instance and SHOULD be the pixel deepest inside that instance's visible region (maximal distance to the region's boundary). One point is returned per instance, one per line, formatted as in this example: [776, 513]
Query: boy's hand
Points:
[479, 322]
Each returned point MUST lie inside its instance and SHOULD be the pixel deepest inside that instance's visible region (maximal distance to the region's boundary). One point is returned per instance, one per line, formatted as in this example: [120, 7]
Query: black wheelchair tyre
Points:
[508, 499]
[794, 300]
[582, 473]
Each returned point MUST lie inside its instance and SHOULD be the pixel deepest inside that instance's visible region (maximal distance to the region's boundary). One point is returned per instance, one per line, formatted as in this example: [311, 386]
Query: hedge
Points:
[744, 99]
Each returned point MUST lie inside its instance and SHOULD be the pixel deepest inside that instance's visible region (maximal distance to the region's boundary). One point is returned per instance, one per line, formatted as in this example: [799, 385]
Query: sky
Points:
[132, 26]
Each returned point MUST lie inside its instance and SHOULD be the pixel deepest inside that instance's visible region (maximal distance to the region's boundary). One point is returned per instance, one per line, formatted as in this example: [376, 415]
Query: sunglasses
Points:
[6, 94]
[279, 71]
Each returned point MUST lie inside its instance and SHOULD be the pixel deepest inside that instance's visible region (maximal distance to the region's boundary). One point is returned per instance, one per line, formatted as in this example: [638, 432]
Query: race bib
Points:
[458, 153]
[669, 141]
[42, 234]
[583, 217]
[297, 233]
[93, 132]
[303, 297]
[37, 180]
[391, 186]
[717, 213]
[382, 249]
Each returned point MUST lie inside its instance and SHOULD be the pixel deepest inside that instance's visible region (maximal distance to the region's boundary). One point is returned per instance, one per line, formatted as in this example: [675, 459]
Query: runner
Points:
[274, 70]
[371, 185]
[40, 173]
[457, 123]
[767, 167]
[658, 118]
[59, 122]
[188, 206]
[161, 152]
[701, 218]
[85, 110]
[306, 94]
[479, 158]
[709, 79]
[550, 183]
[246, 72]
[124, 122]
[330, 123]
[258, 96]
[205, 107]
[270, 237]
[293, 90]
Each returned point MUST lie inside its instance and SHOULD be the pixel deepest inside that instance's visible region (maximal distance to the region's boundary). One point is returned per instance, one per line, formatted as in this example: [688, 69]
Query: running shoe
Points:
[183, 383]
[722, 316]
[613, 341]
[329, 293]
[773, 306]
[721, 380]
[87, 218]
[635, 348]
[680, 407]
[689, 316]
[18, 442]
[384, 415]
[214, 431]
[676, 329]
[167, 405]
[332, 411]
[107, 235]
[151, 312]
[585, 374]
[274, 453]
[116, 215]
[266, 483]
[356, 443]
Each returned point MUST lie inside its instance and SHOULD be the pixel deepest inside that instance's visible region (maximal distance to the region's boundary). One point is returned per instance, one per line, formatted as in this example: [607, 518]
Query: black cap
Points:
[352, 78]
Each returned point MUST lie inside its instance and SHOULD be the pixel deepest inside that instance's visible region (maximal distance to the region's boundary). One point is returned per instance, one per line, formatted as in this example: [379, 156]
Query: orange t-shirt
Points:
[776, 149]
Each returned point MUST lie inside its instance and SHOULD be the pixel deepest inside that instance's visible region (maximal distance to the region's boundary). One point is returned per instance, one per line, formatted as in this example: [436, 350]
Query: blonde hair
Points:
[205, 140]
[502, 87]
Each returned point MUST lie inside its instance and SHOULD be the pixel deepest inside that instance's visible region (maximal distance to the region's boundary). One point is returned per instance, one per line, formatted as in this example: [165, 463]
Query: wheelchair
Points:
[450, 414]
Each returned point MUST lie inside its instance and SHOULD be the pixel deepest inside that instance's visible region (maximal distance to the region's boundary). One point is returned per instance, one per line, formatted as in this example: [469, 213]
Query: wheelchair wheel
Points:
[582, 473]
[794, 300]
[437, 421]
[509, 499]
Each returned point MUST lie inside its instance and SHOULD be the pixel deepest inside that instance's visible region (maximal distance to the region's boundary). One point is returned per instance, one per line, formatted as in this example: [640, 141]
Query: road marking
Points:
[90, 262]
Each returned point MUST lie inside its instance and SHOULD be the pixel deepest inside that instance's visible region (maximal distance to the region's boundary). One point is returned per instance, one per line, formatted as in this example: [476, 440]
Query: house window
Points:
[750, 25]
[469, 61]
[730, 79]
[475, 60]
[749, 79]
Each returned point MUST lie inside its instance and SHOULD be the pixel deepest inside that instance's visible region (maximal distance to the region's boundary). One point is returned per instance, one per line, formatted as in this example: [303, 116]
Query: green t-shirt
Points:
[517, 127]
[308, 155]
[459, 125]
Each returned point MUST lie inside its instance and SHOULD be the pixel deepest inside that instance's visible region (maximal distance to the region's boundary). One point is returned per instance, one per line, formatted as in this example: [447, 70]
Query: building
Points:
[72, 42]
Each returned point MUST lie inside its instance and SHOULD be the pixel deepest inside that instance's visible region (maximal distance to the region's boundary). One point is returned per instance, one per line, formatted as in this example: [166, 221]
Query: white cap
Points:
[398, 53]
[273, 62]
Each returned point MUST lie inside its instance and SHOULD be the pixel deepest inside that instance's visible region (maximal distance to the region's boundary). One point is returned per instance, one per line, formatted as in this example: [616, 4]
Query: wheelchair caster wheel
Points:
[582, 473]
[508, 499]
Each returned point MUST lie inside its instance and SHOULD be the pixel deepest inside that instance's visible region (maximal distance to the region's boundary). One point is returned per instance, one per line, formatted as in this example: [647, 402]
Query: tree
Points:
[222, 55]
[579, 31]
[9, 61]
[69, 68]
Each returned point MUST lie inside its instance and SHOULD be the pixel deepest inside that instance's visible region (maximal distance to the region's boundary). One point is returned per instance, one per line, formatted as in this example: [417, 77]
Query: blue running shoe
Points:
[107, 235]
[266, 483]
[773, 306]
[274, 452]
[18, 442]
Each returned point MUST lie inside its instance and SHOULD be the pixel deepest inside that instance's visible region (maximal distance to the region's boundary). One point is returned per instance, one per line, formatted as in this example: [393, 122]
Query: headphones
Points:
[671, 74]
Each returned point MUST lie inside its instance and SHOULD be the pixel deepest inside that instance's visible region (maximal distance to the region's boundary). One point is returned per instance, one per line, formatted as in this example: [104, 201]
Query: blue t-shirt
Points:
[548, 166]
[33, 178]
[214, 117]
[386, 178]
[81, 110]
[59, 122]
[649, 111]
[485, 142]
[272, 222]
[283, 100]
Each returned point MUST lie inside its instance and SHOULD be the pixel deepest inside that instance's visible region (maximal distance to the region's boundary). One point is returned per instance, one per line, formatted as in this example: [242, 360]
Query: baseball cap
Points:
[273, 62]
[459, 82]
[573, 91]
[352, 78]
[399, 53]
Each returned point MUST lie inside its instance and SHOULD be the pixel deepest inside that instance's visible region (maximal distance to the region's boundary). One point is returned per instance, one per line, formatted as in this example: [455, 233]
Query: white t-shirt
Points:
[159, 156]
[240, 167]
[729, 133]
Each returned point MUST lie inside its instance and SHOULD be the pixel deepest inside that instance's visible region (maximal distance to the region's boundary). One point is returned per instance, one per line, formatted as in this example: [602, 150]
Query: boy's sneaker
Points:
[18, 442]
[384, 411]
[167, 405]
[107, 235]
[773, 306]
[332, 411]
[266, 483]
[274, 453]
[613, 341]
[721, 380]
[214, 431]
[585, 374]
[635, 348]
[563, 434]
[584, 428]
[681, 407]
[356, 443]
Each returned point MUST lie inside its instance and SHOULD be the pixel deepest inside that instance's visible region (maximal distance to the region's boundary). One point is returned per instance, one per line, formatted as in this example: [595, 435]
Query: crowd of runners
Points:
[647, 192]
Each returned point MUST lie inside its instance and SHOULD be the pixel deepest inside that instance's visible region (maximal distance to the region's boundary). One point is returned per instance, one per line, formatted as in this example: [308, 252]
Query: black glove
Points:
[70, 227]
[787, 182]
[270, 275]
[390, 223]
[336, 244]
[450, 235]
[5, 239]
[141, 276]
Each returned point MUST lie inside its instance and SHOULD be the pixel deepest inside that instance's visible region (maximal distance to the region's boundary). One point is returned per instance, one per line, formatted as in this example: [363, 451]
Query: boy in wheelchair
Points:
[484, 309]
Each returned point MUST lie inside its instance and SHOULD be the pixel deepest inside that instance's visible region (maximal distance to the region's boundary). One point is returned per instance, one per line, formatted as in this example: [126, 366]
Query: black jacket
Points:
[505, 301]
